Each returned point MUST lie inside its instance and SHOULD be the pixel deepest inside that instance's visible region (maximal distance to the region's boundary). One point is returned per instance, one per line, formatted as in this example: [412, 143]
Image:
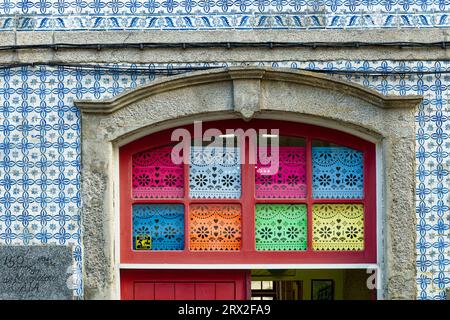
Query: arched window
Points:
[222, 207]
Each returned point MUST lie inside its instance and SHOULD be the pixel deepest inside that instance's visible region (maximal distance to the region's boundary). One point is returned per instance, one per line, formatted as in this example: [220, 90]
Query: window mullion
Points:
[186, 205]
[309, 192]
[248, 200]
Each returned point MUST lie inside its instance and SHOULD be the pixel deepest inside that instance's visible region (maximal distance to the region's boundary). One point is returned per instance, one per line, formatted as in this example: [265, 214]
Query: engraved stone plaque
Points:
[35, 272]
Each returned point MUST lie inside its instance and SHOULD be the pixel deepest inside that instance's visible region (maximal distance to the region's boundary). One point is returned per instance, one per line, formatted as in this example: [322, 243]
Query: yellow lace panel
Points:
[338, 227]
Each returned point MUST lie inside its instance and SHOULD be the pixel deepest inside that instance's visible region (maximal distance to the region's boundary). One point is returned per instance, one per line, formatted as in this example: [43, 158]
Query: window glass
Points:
[267, 285]
[281, 169]
[300, 200]
[158, 227]
[338, 227]
[156, 176]
[215, 172]
[215, 227]
[281, 227]
[337, 172]
[256, 285]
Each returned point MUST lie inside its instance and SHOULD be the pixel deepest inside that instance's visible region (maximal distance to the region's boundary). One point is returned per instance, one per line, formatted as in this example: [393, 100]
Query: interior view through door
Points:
[336, 284]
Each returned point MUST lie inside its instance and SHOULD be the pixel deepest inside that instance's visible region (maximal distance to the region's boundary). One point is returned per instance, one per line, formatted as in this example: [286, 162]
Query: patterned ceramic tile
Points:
[40, 152]
[26, 15]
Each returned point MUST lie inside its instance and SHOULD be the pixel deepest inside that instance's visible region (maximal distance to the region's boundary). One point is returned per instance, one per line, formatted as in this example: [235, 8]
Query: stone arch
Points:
[248, 92]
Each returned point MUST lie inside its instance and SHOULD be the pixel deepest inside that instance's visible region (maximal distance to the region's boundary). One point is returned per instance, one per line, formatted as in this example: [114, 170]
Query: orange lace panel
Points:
[338, 227]
[214, 227]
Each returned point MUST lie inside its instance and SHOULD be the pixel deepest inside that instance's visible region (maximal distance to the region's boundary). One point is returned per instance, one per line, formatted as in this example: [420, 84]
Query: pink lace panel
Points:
[156, 176]
[290, 179]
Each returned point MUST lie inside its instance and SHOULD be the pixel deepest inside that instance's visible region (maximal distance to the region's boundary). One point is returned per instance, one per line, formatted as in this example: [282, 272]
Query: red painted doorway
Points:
[183, 205]
[185, 284]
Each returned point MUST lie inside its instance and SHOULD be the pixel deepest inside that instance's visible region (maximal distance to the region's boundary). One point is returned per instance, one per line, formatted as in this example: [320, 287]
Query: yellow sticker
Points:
[143, 242]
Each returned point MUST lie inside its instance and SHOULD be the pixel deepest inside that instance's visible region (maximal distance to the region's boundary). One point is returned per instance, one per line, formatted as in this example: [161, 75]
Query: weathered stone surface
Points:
[35, 272]
[131, 55]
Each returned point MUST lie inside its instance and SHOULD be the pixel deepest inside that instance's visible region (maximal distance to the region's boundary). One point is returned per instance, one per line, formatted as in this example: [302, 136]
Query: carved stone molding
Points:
[244, 75]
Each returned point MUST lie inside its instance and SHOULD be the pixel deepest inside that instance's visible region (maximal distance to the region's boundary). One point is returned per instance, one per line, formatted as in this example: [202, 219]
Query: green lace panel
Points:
[281, 227]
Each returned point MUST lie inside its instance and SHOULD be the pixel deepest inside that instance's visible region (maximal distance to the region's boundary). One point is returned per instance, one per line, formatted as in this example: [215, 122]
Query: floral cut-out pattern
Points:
[158, 227]
[281, 227]
[337, 173]
[290, 179]
[156, 176]
[338, 227]
[215, 172]
[215, 227]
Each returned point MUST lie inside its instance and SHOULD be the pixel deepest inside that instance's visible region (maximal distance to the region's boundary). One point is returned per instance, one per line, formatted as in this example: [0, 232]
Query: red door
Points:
[185, 284]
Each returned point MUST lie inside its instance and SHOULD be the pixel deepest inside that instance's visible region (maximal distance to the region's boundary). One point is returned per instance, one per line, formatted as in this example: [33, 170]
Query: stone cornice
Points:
[236, 55]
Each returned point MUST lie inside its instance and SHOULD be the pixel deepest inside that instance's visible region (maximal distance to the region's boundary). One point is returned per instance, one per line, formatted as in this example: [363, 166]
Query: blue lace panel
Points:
[337, 173]
[158, 227]
[215, 172]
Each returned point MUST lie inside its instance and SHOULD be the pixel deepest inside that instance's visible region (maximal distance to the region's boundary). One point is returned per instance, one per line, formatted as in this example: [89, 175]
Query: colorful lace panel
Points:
[156, 176]
[338, 227]
[337, 173]
[281, 227]
[215, 173]
[289, 181]
[215, 227]
[158, 227]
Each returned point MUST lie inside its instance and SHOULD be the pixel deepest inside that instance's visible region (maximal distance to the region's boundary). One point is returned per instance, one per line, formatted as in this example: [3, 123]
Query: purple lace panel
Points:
[156, 176]
[337, 173]
[289, 181]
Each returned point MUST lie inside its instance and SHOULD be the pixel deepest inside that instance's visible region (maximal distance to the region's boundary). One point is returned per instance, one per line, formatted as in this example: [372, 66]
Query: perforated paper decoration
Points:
[215, 172]
[215, 227]
[337, 173]
[281, 227]
[164, 223]
[289, 181]
[338, 227]
[156, 176]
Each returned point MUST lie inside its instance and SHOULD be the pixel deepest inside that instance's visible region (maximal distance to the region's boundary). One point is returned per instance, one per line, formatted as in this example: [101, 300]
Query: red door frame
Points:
[248, 253]
[240, 278]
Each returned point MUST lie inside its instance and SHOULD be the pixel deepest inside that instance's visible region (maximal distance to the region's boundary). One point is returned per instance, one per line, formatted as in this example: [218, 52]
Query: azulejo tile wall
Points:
[220, 14]
[40, 198]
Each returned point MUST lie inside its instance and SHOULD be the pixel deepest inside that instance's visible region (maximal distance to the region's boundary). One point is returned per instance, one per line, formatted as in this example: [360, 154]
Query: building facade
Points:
[91, 91]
